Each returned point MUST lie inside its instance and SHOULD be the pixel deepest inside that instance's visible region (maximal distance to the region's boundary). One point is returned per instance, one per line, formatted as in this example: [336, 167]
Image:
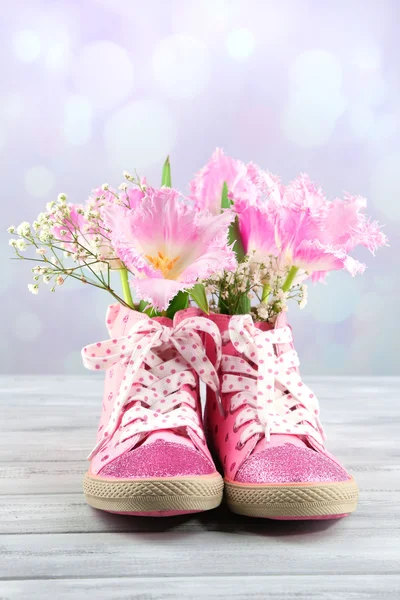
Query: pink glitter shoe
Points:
[266, 430]
[151, 457]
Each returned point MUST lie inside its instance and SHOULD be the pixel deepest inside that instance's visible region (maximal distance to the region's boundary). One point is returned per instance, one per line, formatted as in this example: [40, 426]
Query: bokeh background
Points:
[92, 87]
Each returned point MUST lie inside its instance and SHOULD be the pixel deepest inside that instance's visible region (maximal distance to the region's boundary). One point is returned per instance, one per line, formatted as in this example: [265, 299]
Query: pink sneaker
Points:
[266, 430]
[151, 457]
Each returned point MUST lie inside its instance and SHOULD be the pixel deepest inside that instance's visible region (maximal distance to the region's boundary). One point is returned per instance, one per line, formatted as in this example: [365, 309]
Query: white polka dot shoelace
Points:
[271, 393]
[152, 383]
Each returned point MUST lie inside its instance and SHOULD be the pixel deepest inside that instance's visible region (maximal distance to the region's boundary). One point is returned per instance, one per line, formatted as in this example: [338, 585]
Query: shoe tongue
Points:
[168, 436]
[185, 313]
[278, 439]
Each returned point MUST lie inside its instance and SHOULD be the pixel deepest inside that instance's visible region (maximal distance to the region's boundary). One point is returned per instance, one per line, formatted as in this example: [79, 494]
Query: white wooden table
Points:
[53, 545]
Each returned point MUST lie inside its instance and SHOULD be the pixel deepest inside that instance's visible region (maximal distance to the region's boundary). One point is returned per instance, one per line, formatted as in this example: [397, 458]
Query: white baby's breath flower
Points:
[42, 218]
[44, 235]
[24, 228]
[46, 279]
[104, 187]
[62, 197]
[281, 295]
[33, 288]
[123, 187]
[41, 251]
[21, 245]
[303, 301]
[59, 280]
[51, 206]
[127, 175]
[11, 229]
[262, 311]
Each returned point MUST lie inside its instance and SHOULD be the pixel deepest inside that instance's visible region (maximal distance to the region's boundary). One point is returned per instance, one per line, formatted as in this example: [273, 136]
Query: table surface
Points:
[53, 545]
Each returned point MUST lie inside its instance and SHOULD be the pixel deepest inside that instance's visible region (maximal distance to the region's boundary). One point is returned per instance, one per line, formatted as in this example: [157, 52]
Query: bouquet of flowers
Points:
[241, 241]
[238, 247]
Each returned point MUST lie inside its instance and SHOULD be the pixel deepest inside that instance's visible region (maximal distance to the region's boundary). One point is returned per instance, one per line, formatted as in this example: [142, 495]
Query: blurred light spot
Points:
[315, 99]
[39, 181]
[374, 90]
[27, 45]
[367, 56]
[181, 66]
[240, 43]
[104, 73]
[57, 56]
[335, 301]
[309, 122]
[385, 185]
[361, 119]
[318, 69]
[213, 17]
[139, 135]
[12, 107]
[77, 127]
[386, 125]
[27, 326]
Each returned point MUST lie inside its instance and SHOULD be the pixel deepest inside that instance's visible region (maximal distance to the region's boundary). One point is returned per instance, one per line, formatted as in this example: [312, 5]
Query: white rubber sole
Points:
[156, 497]
[293, 501]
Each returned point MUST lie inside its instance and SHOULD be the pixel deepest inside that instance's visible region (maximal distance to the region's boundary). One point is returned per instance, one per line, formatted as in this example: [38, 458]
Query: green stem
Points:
[266, 292]
[290, 278]
[125, 288]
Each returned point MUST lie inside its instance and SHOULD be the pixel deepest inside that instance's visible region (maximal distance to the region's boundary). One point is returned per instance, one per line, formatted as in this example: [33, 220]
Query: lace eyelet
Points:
[239, 446]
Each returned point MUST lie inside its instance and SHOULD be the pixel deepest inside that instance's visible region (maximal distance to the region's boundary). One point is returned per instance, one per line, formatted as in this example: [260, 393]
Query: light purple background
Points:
[90, 88]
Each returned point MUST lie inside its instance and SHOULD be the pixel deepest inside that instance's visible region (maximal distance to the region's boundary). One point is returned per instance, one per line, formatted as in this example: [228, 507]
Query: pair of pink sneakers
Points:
[154, 455]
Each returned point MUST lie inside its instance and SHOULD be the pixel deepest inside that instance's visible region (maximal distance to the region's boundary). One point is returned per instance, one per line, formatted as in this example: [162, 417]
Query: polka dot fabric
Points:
[264, 402]
[160, 364]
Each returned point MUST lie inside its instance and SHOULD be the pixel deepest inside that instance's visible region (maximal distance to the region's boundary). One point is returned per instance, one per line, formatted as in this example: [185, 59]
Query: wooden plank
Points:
[315, 587]
[65, 477]
[50, 533]
[60, 513]
[269, 551]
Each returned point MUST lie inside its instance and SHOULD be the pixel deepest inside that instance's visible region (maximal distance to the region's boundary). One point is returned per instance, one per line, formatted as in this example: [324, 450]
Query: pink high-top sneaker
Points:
[151, 456]
[266, 431]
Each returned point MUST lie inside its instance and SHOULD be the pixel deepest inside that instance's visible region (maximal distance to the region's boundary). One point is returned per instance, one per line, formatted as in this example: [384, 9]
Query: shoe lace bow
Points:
[267, 387]
[151, 386]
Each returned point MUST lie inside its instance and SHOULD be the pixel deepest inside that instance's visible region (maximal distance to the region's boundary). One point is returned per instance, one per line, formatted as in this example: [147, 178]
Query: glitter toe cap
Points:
[290, 464]
[159, 459]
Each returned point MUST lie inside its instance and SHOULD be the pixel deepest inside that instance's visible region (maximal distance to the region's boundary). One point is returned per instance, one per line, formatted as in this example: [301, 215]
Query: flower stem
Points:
[290, 278]
[266, 292]
[125, 287]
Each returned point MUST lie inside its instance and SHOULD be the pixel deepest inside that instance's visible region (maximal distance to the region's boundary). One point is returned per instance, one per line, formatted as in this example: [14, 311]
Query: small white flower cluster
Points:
[72, 241]
[254, 287]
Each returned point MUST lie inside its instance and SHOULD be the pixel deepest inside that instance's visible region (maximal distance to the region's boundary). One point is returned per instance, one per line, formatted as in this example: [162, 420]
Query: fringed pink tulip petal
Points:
[169, 244]
[257, 230]
[206, 187]
[158, 292]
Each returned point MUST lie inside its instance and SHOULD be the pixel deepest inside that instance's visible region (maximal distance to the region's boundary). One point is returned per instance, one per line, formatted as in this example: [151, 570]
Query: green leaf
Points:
[142, 306]
[145, 307]
[198, 293]
[179, 302]
[244, 305]
[225, 202]
[234, 236]
[166, 174]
